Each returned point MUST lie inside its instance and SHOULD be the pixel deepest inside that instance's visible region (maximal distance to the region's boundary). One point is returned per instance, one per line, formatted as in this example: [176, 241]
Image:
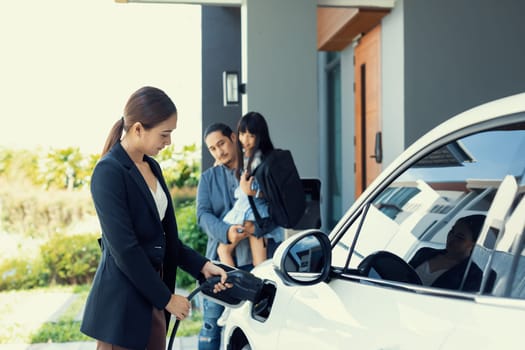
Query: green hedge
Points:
[34, 212]
[62, 260]
[23, 273]
[38, 211]
[71, 259]
[191, 235]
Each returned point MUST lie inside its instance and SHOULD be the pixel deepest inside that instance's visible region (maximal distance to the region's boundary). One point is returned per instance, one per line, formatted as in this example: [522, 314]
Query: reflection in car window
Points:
[305, 256]
[419, 207]
[515, 289]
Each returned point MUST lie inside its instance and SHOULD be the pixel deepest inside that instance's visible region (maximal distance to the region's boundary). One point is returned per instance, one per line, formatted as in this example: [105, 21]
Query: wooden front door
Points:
[368, 147]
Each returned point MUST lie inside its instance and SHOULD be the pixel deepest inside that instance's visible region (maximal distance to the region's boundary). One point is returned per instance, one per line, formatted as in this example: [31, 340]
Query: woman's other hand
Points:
[179, 306]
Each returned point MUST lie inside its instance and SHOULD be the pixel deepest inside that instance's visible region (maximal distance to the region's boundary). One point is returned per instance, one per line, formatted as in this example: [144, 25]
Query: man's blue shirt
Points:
[215, 197]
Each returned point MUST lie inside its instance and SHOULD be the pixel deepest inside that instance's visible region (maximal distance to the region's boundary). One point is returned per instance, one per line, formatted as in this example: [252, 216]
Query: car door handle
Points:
[378, 149]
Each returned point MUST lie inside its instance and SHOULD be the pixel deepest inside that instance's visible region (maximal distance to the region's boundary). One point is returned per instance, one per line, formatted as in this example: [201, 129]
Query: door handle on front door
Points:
[378, 149]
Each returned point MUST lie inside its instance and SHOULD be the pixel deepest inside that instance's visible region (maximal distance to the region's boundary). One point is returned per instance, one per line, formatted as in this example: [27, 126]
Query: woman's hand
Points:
[179, 306]
[210, 269]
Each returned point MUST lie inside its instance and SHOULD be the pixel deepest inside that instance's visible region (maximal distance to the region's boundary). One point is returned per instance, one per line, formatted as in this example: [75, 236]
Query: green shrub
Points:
[63, 260]
[191, 235]
[181, 168]
[38, 213]
[189, 232]
[19, 165]
[59, 332]
[183, 196]
[71, 259]
[23, 273]
[65, 168]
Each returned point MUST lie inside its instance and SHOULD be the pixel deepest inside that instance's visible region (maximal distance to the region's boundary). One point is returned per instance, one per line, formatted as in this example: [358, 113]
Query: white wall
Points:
[392, 84]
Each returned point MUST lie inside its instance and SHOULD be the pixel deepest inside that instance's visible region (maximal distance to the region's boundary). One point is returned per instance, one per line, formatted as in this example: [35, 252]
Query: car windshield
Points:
[489, 155]
[419, 208]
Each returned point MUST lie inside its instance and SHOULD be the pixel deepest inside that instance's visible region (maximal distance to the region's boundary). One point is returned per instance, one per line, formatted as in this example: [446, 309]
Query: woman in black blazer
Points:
[132, 295]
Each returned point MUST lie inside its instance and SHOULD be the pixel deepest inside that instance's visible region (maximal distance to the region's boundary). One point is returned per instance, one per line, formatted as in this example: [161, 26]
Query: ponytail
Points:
[148, 106]
[114, 135]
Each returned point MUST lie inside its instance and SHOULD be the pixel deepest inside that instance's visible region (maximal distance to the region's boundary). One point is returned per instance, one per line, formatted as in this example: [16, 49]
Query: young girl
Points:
[254, 144]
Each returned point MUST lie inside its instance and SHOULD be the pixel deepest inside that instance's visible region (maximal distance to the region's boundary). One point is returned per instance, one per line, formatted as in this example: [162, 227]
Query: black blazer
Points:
[135, 245]
[450, 279]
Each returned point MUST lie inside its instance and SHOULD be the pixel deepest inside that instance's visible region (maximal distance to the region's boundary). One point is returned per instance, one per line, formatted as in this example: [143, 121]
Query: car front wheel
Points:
[238, 341]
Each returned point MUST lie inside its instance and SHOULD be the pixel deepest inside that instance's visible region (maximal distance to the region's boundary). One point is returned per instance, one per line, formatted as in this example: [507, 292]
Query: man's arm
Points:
[207, 218]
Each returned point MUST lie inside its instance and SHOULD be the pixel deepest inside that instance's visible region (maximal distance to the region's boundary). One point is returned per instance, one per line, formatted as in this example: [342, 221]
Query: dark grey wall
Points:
[458, 54]
[221, 51]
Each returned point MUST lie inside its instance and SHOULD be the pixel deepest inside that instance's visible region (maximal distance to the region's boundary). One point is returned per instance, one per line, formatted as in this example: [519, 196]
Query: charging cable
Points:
[206, 284]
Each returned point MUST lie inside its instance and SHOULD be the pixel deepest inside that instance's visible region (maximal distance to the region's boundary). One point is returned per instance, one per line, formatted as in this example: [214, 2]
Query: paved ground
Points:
[33, 309]
[183, 343]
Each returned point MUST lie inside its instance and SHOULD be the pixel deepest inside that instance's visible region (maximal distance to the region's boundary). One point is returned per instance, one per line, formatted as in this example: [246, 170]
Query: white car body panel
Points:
[408, 321]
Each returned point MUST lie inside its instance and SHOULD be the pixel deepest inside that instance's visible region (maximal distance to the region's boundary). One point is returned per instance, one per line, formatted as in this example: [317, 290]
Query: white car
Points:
[354, 288]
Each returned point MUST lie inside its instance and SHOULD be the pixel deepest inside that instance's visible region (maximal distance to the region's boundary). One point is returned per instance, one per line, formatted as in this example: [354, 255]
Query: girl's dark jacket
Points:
[136, 245]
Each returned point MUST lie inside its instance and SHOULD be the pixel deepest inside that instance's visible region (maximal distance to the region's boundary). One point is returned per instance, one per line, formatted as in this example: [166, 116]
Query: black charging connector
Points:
[244, 286]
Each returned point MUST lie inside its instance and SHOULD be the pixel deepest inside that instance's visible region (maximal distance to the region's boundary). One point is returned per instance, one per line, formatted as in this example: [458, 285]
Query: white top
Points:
[427, 277]
[160, 199]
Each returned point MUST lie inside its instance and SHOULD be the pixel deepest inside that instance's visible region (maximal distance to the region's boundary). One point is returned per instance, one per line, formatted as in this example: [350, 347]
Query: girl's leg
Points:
[225, 252]
[258, 248]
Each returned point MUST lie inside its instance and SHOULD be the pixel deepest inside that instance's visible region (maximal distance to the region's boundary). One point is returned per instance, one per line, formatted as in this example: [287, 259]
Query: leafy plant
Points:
[59, 169]
[180, 169]
[65, 168]
[34, 212]
[59, 332]
[66, 260]
[190, 234]
[71, 259]
[23, 273]
[19, 165]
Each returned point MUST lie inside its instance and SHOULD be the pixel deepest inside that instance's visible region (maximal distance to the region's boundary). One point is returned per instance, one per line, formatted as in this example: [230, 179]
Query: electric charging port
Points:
[262, 307]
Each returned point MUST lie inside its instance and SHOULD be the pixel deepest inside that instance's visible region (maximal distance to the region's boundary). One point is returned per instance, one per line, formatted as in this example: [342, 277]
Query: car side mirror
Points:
[304, 258]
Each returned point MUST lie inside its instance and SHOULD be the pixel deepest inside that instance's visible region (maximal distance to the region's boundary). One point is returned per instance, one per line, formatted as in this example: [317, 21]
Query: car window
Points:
[515, 288]
[419, 208]
[505, 257]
